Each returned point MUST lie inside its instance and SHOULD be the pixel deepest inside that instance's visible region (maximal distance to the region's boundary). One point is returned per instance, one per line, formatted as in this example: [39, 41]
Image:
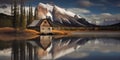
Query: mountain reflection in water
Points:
[61, 48]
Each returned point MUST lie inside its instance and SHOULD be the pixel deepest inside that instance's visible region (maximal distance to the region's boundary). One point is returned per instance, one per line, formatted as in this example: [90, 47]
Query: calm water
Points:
[61, 48]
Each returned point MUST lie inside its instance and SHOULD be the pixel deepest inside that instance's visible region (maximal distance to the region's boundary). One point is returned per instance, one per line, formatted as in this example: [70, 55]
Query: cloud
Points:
[118, 5]
[7, 10]
[79, 10]
[9, 1]
[104, 18]
[106, 14]
[3, 6]
[111, 2]
[5, 1]
[85, 3]
[98, 3]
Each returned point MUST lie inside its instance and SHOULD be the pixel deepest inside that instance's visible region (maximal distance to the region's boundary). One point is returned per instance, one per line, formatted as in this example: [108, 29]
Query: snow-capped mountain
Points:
[59, 15]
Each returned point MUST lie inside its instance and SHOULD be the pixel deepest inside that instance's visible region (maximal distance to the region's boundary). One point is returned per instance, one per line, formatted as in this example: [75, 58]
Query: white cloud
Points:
[104, 18]
[106, 14]
[7, 10]
[85, 3]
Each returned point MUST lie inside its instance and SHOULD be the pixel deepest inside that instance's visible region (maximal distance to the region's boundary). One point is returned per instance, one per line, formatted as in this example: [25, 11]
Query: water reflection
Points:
[45, 47]
[50, 47]
[22, 50]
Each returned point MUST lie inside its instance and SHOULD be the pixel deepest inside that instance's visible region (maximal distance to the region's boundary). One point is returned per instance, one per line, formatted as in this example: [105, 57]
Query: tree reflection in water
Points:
[21, 50]
[48, 47]
[45, 47]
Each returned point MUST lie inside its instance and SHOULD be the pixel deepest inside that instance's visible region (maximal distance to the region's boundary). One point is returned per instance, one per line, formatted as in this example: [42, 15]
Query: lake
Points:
[62, 48]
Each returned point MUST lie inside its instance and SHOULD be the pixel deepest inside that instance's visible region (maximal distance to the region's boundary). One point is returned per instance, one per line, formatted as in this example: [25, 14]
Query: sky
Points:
[98, 9]
[95, 6]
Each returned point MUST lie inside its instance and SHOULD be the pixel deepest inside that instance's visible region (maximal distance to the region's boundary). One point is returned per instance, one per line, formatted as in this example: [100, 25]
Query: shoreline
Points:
[8, 34]
[28, 32]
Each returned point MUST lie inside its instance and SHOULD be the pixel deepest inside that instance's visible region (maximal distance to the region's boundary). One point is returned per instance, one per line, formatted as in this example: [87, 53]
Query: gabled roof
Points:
[36, 23]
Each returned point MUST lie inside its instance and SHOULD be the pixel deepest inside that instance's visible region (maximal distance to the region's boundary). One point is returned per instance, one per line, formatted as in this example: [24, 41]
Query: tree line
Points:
[21, 17]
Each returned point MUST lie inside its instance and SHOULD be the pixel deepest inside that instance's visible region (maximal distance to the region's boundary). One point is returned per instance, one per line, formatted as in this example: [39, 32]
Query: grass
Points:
[60, 32]
[14, 31]
[6, 29]
[8, 33]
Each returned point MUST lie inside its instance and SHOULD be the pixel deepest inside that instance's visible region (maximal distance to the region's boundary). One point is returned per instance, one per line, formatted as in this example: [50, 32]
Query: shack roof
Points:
[36, 23]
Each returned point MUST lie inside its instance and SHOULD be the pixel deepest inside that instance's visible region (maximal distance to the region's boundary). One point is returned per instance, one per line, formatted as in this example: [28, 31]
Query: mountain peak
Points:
[49, 7]
[63, 11]
[58, 15]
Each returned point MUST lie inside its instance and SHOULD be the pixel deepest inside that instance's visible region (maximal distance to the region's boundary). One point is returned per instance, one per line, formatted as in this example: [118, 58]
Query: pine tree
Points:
[16, 14]
[35, 14]
[30, 15]
[12, 8]
[23, 16]
[24, 20]
[27, 17]
[21, 12]
[17, 18]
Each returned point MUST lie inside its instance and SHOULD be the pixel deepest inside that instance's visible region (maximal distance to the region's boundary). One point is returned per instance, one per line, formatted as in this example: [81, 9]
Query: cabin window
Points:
[49, 37]
[52, 28]
[45, 22]
[48, 28]
[42, 28]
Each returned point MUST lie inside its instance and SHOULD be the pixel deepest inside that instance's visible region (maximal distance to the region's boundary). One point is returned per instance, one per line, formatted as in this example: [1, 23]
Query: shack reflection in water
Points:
[49, 47]
[45, 47]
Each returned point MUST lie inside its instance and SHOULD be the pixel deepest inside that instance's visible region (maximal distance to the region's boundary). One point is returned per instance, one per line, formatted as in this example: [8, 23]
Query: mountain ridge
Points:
[60, 16]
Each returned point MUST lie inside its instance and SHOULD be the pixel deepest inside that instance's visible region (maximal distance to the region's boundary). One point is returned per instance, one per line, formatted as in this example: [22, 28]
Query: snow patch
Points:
[50, 15]
[48, 6]
[63, 11]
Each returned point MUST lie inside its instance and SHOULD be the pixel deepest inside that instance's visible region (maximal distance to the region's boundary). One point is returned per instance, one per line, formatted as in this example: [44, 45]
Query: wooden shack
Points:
[43, 26]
